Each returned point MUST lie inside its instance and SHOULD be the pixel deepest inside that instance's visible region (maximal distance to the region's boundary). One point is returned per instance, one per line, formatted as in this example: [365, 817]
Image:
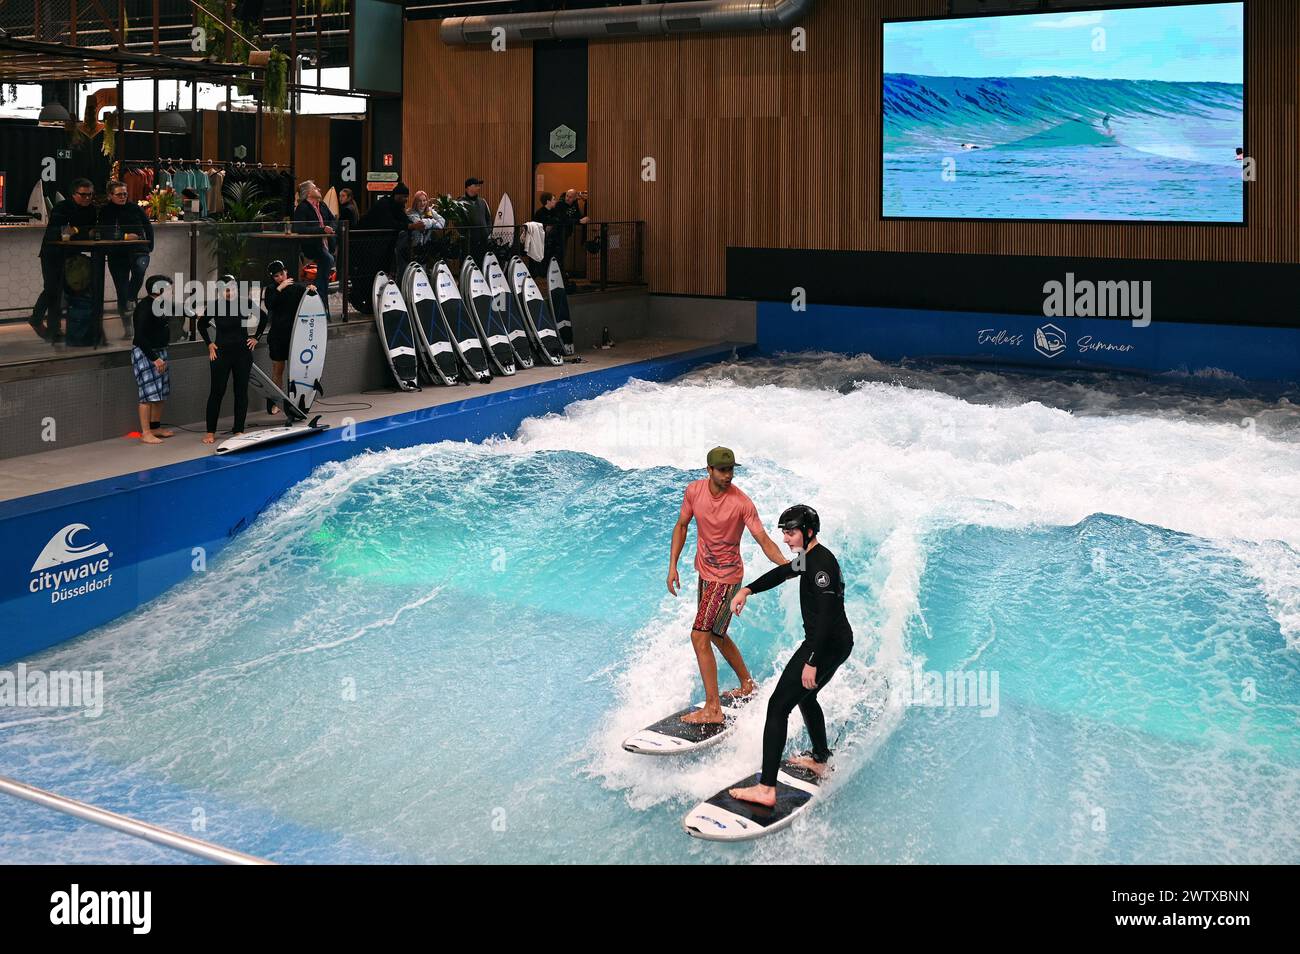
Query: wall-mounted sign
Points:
[381, 176]
[563, 141]
[241, 152]
[2, 191]
[388, 159]
[380, 186]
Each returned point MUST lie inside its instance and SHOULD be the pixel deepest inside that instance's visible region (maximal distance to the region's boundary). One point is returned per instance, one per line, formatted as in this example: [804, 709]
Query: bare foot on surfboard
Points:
[704, 717]
[758, 794]
[820, 769]
[748, 689]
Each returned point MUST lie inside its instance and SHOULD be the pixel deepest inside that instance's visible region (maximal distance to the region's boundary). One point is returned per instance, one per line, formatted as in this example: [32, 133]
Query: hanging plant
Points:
[275, 94]
[216, 33]
[110, 122]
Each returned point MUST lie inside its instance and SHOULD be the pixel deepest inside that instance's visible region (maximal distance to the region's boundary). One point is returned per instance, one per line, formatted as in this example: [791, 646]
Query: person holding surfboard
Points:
[280, 302]
[828, 641]
[721, 511]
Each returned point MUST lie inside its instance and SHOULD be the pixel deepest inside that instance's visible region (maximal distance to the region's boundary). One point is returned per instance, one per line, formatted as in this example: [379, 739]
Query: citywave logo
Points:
[81, 573]
[1049, 341]
[63, 549]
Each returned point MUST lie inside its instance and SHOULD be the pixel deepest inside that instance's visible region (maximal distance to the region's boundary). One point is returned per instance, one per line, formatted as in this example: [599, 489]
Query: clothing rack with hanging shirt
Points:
[208, 178]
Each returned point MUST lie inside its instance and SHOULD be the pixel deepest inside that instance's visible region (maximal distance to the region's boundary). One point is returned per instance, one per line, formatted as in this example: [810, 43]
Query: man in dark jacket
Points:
[74, 217]
[477, 218]
[548, 214]
[313, 217]
[123, 219]
[373, 244]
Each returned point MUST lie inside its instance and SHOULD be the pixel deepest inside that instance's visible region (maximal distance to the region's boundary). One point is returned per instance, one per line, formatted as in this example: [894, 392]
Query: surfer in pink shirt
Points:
[721, 512]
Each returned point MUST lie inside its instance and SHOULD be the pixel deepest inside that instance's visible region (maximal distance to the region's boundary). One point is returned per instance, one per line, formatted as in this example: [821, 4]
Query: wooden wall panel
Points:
[758, 145]
[466, 111]
[309, 139]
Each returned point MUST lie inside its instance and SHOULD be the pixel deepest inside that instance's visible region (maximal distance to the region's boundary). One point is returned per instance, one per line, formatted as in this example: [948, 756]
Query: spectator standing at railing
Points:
[74, 218]
[422, 223]
[548, 214]
[122, 219]
[570, 215]
[348, 211]
[477, 218]
[313, 217]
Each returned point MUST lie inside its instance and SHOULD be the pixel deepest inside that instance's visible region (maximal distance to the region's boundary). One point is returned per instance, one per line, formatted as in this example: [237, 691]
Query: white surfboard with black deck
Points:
[464, 331]
[671, 736]
[260, 382]
[506, 307]
[537, 317]
[439, 363]
[478, 299]
[396, 332]
[723, 818]
[307, 350]
[559, 299]
[270, 435]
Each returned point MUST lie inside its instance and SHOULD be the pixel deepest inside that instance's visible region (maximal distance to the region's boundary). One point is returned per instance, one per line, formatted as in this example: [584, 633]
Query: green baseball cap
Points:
[722, 457]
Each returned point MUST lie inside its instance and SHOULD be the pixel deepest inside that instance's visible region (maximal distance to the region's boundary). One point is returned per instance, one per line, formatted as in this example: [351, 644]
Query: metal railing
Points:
[595, 256]
[130, 826]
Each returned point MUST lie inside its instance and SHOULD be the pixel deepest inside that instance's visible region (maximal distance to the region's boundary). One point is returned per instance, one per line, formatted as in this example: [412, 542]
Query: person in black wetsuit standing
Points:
[828, 641]
[280, 301]
[230, 352]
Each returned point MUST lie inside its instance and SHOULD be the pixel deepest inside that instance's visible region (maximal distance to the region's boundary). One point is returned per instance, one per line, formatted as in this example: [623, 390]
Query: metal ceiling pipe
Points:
[656, 19]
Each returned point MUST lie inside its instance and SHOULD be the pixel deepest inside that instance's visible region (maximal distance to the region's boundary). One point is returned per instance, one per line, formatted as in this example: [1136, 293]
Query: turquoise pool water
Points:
[432, 654]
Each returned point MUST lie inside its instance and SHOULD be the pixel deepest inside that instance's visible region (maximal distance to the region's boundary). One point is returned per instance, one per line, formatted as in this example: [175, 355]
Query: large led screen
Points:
[1134, 114]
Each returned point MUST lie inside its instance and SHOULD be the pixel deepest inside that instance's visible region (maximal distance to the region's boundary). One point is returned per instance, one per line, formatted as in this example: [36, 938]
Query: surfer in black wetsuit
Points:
[280, 306]
[230, 351]
[828, 640]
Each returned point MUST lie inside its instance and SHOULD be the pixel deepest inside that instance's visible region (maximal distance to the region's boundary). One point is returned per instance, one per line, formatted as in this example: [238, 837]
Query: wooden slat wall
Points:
[759, 145]
[466, 111]
[310, 140]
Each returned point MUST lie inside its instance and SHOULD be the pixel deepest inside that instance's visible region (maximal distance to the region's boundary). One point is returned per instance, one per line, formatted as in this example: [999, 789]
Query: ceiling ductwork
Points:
[655, 19]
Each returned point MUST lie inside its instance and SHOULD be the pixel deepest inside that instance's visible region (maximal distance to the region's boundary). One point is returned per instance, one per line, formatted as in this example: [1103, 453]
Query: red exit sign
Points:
[388, 159]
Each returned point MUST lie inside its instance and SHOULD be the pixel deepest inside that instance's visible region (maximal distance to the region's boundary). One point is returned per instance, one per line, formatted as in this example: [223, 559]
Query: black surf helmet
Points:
[801, 517]
[276, 266]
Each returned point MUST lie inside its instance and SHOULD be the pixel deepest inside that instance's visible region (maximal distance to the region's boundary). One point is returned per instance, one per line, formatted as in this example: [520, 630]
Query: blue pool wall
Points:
[1252, 353]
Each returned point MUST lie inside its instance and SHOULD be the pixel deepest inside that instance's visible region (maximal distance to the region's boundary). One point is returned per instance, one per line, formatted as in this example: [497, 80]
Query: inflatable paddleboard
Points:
[537, 318]
[671, 736]
[396, 336]
[478, 299]
[555, 291]
[437, 356]
[307, 350]
[723, 818]
[506, 307]
[464, 332]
